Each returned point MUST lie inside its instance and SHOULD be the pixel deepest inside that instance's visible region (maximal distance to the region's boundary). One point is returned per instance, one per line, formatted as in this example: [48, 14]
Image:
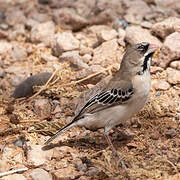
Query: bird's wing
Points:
[113, 94]
[84, 97]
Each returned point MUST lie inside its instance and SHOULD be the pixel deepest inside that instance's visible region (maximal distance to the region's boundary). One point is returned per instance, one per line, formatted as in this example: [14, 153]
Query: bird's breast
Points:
[142, 84]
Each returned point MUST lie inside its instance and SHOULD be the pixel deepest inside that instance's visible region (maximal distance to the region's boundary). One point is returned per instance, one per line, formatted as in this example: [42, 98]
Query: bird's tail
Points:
[65, 128]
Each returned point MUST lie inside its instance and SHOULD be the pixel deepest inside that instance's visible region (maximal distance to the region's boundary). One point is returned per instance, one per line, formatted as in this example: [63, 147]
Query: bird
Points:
[116, 99]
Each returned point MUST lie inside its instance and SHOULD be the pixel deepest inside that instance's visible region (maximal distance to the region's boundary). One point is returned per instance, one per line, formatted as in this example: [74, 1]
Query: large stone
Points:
[40, 17]
[43, 32]
[136, 34]
[4, 165]
[15, 16]
[40, 174]
[5, 47]
[14, 177]
[18, 29]
[165, 3]
[18, 53]
[95, 29]
[64, 42]
[37, 156]
[91, 70]
[42, 107]
[106, 54]
[166, 27]
[173, 76]
[75, 59]
[8, 155]
[66, 173]
[175, 65]
[106, 35]
[136, 11]
[68, 19]
[170, 50]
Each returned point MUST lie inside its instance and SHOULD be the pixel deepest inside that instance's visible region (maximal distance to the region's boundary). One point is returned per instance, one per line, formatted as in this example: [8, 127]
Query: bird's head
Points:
[137, 58]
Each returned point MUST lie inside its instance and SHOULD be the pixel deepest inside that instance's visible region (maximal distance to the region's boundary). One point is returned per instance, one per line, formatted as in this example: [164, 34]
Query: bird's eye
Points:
[142, 47]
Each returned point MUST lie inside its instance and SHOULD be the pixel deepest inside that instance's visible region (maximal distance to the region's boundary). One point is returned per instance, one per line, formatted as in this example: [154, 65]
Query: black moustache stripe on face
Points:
[146, 59]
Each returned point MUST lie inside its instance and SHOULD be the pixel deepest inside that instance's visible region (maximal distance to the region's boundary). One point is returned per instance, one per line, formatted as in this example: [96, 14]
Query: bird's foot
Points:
[118, 160]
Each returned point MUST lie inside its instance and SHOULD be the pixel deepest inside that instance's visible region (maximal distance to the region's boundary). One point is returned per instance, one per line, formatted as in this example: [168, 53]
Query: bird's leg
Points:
[111, 144]
[115, 153]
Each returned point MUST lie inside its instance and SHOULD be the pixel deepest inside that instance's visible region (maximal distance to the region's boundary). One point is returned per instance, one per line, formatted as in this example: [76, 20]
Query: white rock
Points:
[42, 107]
[18, 53]
[136, 11]
[37, 156]
[106, 35]
[4, 166]
[166, 27]
[40, 174]
[64, 42]
[5, 47]
[15, 16]
[8, 155]
[162, 85]
[43, 32]
[175, 65]
[121, 36]
[14, 177]
[74, 58]
[136, 34]
[106, 54]
[86, 58]
[18, 29]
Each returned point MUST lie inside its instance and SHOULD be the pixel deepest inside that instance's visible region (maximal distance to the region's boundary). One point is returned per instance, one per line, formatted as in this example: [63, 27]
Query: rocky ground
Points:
[79, 43]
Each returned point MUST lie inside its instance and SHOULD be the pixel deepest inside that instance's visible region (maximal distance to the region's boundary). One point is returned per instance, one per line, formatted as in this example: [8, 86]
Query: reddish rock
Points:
[170, 133]
[170, 50]
[136, 34]
[173, 76]
[106, 54]
[121, 36]
[166, 27]
[66, 173]
[18, 53]
[42, 107]
[75, 59]
[40, 17]
[18, 29]
[43, 32]
[136, 11]
[15, 16]
[40, 174]
[106, 35]
[4, 165]
[91, 70]
[3, 34]
[68, 19]
[175, 177]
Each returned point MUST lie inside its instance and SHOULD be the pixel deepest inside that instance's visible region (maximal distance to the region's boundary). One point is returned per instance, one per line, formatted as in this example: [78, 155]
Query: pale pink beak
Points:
[153, 46]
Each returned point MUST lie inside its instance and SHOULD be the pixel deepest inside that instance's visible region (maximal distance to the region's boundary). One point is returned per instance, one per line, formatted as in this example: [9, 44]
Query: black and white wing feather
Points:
[106, 98]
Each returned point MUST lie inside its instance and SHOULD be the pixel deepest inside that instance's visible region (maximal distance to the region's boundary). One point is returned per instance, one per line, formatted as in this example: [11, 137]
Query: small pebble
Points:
[170, 133]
